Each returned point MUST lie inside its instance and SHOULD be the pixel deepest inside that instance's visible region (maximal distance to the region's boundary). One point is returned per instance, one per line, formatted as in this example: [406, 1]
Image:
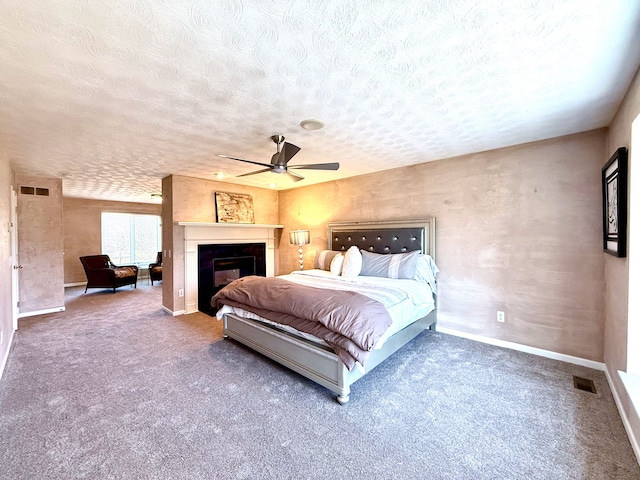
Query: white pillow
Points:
[352, 263]
[336, 264]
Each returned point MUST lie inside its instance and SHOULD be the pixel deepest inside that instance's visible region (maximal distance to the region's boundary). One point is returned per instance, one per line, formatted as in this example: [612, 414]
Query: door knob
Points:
[16, 267]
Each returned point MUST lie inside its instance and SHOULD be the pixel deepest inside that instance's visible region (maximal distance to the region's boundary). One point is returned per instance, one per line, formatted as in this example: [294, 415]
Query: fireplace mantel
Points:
[203, 233]
[228, 225]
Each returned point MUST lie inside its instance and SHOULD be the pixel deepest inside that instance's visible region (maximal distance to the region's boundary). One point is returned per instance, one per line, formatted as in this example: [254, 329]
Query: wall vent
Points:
[584, 384]
[34, 191]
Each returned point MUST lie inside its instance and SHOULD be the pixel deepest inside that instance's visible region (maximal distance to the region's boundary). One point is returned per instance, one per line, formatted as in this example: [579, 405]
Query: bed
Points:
[323, 361]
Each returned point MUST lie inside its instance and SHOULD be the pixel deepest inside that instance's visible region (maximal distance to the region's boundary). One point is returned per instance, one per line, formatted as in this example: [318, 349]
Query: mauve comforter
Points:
[349, 322]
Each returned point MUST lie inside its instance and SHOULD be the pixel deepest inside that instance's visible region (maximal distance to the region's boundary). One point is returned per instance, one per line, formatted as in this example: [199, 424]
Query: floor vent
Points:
[584, 384]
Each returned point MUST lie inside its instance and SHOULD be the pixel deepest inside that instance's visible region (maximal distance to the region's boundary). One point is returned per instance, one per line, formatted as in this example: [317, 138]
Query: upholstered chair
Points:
[155, 269]
[101, 272]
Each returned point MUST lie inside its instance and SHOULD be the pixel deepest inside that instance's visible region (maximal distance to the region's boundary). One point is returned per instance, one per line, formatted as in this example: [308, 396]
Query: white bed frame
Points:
[320, 363]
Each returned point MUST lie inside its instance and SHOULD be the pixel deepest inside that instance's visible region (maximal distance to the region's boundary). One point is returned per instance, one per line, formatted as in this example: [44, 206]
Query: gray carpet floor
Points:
[116, 388]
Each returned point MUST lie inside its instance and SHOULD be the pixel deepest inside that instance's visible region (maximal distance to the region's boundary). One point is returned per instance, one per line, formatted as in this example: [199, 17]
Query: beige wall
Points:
[167, 243]
[518, 230]
[193, 200]
[83, 230]
[6, 320]
[40, 245]
[617, 269]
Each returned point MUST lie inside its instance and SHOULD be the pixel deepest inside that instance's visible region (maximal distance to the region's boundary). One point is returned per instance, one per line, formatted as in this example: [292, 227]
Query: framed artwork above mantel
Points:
[614, 204]
[234, 208]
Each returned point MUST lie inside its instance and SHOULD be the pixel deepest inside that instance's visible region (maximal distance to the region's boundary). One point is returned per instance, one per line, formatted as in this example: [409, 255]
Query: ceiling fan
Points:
[284, 152]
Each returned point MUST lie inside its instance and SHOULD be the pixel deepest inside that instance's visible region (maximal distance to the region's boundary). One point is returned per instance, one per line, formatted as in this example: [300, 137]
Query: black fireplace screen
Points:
[220, 264]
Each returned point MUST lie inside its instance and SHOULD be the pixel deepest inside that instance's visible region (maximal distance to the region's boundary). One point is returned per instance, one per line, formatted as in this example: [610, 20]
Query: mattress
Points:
[405, 300]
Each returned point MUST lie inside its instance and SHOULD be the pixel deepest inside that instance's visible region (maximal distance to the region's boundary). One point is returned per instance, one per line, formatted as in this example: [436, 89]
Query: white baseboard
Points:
[5, 357]
[623, 414]
[171, 312]
[41, 312]
[524, 348]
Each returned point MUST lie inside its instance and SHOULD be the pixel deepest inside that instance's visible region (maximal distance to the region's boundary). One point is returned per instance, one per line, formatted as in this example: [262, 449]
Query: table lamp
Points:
[299, 237]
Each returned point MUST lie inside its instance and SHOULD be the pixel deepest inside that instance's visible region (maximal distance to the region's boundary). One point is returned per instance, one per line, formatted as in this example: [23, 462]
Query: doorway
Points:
[14, 260]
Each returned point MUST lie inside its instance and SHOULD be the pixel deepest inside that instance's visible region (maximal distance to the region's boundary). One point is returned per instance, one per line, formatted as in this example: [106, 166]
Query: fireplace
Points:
[220, 264]
[197, 234]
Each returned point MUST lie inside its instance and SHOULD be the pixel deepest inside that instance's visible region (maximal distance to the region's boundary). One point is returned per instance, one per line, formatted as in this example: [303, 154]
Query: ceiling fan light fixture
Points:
[311, 124]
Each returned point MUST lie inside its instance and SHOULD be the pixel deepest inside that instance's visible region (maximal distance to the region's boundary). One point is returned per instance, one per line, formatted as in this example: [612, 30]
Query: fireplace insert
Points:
[220, 264]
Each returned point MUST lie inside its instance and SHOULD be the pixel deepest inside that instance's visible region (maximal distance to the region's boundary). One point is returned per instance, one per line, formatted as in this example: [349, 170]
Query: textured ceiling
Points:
[114, 95]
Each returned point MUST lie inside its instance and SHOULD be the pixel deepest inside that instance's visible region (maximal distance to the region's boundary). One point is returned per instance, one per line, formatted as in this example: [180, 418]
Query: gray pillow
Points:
[323, 259]
[393, 265]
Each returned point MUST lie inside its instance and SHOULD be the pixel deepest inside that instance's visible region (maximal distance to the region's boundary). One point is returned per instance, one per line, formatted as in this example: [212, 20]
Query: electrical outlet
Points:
[181, 293]
[500, 316]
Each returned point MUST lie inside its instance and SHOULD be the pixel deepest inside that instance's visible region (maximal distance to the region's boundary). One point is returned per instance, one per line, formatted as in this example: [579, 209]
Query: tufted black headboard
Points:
[384, 237]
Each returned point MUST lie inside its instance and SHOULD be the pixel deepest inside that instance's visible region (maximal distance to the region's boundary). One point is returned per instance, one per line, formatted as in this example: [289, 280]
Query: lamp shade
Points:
[299, 237]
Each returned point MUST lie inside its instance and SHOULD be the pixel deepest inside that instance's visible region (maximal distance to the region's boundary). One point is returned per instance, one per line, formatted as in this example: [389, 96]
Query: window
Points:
[131, 239]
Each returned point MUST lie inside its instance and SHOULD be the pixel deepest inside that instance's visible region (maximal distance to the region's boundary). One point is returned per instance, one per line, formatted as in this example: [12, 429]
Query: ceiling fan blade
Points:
[285, 154]
[288, 151]
[275, 157]
[294, 176]
[318, 166]
[247, 161]
[253, 173]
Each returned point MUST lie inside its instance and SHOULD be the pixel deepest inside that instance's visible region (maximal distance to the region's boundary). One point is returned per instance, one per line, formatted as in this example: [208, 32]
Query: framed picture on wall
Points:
[234, 208]
[614, 204]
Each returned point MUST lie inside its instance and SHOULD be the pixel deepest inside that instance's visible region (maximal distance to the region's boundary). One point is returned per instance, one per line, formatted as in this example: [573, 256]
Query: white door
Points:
[15, 265]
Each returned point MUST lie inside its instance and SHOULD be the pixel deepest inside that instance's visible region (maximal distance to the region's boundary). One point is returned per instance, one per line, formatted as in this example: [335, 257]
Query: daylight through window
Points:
[131, 239]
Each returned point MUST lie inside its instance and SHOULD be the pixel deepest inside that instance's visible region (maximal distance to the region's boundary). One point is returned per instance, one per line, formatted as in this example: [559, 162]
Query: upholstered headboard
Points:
[385, 236]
